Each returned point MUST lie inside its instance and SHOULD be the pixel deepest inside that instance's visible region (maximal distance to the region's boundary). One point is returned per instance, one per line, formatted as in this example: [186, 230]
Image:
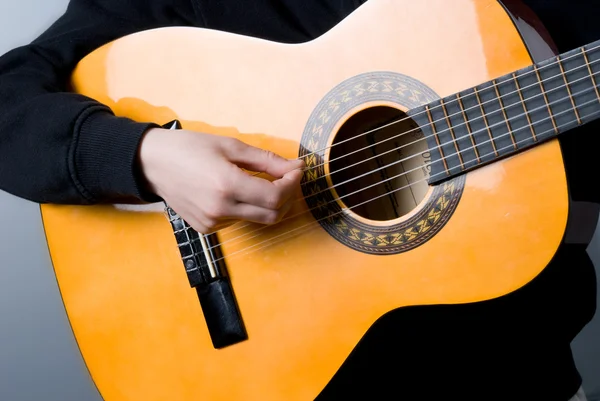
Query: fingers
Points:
[222, 224]
[260, 215]
[255, 159]
[258, 191]
[241, 212]
[203, 228]
[206, 186]
[289, 181]
[263, 193]
[226, 213]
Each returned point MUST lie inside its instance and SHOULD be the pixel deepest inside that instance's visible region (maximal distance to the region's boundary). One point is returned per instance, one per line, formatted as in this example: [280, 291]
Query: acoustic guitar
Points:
[430, 130]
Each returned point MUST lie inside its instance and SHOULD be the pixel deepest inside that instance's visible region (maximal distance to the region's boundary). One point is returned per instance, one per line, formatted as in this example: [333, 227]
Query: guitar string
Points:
[501, 109]
[443, 119]
[396, 176]
[502, 123]
[559, 60]
[558, 76]
[285, 235]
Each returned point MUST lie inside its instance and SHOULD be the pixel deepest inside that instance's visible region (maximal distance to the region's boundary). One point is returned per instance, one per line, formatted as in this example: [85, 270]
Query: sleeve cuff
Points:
[104, 157]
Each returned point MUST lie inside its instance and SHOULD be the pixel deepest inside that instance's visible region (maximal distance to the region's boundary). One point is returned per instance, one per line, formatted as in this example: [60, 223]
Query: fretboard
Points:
[511, 113]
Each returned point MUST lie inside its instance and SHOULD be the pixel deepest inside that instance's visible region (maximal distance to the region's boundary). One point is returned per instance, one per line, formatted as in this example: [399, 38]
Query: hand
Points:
[200, 177]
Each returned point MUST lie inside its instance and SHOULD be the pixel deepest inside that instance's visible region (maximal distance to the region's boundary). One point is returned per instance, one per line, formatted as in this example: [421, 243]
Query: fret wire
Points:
[422, 112]
[485, 120]
[304, 227]
[518, 91]
[524, 106]
[435, 135]
[468, 124]
[460, 159]
[403, 119]
[519, 95]
[510, 130]
[587, 63]
[545, 98]
[562, 72]
[431, 163]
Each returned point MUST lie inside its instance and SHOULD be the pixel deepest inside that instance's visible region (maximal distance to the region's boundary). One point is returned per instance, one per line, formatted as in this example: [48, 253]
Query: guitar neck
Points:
[511, 113]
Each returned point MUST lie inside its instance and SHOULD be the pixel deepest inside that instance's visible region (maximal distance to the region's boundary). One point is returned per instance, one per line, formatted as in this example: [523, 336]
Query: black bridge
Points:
[207, 273]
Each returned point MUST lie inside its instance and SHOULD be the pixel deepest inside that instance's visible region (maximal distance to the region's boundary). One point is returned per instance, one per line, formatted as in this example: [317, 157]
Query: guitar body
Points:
[307, 290]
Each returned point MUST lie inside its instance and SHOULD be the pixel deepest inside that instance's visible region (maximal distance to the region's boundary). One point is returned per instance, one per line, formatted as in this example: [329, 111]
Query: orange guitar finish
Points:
[308, 299]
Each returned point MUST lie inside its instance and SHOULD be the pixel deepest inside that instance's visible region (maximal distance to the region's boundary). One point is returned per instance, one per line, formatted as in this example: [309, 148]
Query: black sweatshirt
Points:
[62, 147]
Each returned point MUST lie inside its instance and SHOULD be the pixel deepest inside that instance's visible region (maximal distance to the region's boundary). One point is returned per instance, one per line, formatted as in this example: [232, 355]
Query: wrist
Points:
[149, 159]
[104, 156]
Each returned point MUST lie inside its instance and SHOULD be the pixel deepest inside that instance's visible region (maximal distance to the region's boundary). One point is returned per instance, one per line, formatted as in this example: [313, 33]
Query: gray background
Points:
[38, 356]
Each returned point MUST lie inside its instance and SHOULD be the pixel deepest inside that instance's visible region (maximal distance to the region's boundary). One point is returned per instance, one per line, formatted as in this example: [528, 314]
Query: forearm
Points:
[62, 147]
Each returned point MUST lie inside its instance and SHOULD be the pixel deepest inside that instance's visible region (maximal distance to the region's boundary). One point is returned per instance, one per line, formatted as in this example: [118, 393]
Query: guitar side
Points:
[139, 325]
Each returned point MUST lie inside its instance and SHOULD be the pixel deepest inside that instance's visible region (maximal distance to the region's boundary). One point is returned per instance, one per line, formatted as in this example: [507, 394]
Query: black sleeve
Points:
[63, 147]
[571, 23]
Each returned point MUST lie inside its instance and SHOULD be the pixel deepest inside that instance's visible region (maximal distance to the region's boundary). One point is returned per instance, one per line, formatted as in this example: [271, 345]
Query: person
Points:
[61, 147]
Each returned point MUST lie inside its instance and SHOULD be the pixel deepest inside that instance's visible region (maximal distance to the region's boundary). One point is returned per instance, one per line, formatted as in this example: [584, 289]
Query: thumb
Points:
[260, 160]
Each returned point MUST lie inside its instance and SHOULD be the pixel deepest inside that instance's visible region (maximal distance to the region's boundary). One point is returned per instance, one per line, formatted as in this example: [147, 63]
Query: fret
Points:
[519, 133]
[563, 112]
[562, 72]
[589, 68]
[526, 112]
[438, 140]
[462, 139]
[515, 111]
[581, 70]
[485, 121]
[503, 108]
[468, 127]
[450, 128]
[479, 130]
[422, 117]
[454, 135]
[545, 96]
[498, 128]
[445, 130]
[535, 104]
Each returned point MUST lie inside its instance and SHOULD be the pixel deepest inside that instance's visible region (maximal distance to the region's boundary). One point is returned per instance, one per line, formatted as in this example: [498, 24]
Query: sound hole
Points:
[391, 162]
